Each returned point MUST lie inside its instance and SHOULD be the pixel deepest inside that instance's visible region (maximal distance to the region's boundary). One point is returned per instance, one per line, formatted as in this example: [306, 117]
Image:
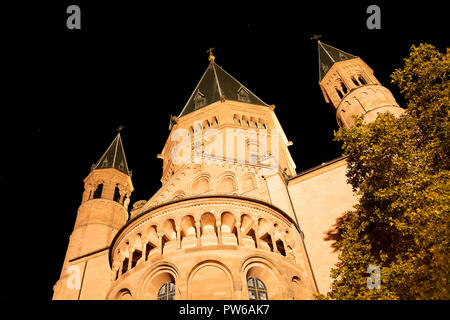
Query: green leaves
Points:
[399, 168]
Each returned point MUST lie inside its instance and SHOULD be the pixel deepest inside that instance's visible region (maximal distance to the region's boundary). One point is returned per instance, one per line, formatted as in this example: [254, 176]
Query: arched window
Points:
[256, 289]
[344, 88]
[355, 82]
[98, 191]
[339, 93]
[361, 79]
[167, 291]
[116, 194]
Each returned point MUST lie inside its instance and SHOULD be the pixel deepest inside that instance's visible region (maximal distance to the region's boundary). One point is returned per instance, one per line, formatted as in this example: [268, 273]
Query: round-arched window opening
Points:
[167, 291]
[256, 289]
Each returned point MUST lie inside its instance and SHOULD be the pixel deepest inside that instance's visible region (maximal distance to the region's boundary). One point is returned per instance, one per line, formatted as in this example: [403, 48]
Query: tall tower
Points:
[349, 85]
[103, 211]
[221, 226]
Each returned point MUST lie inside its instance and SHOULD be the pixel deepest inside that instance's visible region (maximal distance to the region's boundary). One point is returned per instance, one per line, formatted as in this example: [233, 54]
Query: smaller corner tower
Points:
[103, 211]
[348, 84]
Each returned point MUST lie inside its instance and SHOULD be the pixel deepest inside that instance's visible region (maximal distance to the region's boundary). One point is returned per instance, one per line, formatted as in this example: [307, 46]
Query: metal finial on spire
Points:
[316, 37]
[120, 128]
[211, 56]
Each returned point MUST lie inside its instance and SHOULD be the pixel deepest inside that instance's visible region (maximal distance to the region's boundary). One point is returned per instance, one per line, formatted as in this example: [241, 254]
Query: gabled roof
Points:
[214, 84]
[328, 55]
[114, 157]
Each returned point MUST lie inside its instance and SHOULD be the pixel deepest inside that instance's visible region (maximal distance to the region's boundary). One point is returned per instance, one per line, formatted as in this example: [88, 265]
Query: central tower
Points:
[222, 225]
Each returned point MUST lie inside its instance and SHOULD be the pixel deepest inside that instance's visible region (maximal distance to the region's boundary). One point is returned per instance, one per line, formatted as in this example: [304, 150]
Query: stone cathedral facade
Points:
[233, 220]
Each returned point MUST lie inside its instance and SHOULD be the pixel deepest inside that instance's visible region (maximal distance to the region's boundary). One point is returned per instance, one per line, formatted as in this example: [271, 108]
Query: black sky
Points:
[67, 91]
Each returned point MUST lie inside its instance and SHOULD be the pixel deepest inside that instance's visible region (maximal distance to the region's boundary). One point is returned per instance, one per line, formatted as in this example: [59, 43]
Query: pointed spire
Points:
[114, 157]
[216, 85]
[328, 56]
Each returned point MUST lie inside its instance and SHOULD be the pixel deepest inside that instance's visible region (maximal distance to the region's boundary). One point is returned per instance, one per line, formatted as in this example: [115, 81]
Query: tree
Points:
[399, 169]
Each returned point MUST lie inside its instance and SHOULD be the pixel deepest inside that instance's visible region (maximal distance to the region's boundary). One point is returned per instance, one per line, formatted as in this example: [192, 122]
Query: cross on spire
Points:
[211, 56]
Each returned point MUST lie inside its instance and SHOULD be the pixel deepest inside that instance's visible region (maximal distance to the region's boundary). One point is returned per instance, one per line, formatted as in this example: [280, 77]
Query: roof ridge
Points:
[339, 50]
[195, 89]
[104, 162]
[216, 77]
[241, 84]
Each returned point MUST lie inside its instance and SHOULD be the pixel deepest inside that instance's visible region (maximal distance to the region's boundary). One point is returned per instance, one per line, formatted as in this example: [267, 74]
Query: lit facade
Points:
[232, 219]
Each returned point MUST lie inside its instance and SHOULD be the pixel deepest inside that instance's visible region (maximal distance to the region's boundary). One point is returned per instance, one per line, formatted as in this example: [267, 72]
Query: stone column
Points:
[219, 232]
[178, 227]
[122, 196]
[120, 268]
[274, 245]
[130, 259]
[160, 244]
[144, 251]
[238, 232]
[257, 239]
[197, 228]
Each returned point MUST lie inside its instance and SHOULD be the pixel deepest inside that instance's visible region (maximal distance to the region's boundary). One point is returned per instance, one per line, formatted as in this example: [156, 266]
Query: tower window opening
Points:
[280, 247]
[137, 254]
[267, 239]
[245, 121]
[98, 191]
[116, 194]
[125, 266]
[256, 289]
[149, 249]
[361, 80]
[252, 235]
[344, 88]
[355, 81]
[339, 93]
[167, 291]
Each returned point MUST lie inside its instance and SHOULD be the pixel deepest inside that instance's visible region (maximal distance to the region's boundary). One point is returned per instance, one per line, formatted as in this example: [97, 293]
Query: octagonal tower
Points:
[348, 84]
[103, 211]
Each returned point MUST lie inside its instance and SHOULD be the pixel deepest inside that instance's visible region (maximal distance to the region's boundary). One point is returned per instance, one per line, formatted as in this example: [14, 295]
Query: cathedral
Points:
[232, 218]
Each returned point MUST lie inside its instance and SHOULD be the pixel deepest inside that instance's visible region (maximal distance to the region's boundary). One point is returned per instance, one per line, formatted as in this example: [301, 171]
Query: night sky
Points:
[67, 92]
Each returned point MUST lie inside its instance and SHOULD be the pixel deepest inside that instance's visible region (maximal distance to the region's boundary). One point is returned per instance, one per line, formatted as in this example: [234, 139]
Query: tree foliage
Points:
[399, 169]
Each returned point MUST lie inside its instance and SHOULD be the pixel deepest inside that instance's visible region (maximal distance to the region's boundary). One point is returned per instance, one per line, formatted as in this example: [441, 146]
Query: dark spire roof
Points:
[114, 157]
[328, 55]
[214, 84]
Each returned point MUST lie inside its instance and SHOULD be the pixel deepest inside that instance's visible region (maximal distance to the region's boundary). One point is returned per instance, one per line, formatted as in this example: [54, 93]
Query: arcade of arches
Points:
[216, 250]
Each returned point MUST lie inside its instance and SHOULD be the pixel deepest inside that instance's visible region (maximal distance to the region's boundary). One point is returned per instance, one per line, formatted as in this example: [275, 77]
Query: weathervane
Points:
[211, 56]
[316, 37]
[120, 128]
